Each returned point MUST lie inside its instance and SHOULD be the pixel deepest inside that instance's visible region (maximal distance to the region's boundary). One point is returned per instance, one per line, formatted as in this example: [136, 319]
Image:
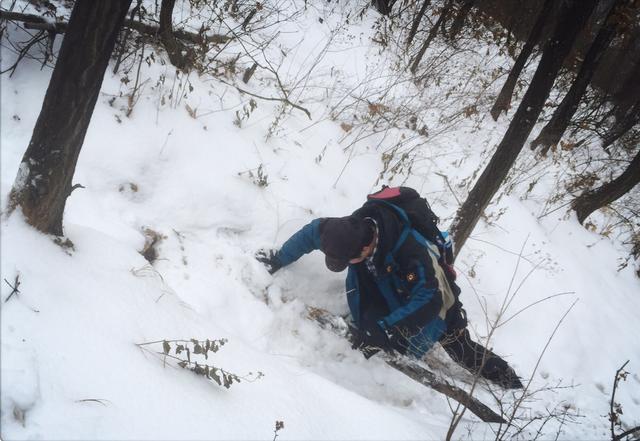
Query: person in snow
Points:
[401, 295]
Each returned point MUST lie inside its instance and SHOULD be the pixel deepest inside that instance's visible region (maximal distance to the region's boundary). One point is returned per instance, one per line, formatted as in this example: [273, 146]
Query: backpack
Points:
[421, 218]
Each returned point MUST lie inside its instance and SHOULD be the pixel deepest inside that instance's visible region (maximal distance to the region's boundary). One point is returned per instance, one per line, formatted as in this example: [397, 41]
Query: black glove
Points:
[269, 260]
[371, 339]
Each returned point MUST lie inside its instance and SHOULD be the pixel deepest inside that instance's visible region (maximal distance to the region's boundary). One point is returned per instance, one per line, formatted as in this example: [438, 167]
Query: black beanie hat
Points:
[342, 239]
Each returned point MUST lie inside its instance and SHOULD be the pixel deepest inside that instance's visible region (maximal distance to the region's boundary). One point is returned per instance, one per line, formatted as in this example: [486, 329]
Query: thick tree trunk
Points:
[555, 128]
[458, 22]
[432, 34]
[46, 171]
[590, 201]
[179, 54]
[416, 22]
[573, 16]
[503, 102]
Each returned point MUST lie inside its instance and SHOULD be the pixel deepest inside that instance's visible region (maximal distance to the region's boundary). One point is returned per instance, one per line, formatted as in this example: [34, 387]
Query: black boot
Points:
[498, 371]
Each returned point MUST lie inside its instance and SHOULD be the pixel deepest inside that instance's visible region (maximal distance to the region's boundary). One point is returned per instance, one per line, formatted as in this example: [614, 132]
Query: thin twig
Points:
[266, 98]
[520, 400]
[612, 413]
[446, 180]
[23, 52]
[94, 400]
[535, 303]
[503, 249]
[14, 287]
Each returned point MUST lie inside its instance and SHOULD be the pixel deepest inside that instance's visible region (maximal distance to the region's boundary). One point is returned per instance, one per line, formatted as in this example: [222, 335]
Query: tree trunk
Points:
[555, 128]
[458, 22]
[416, 22]
[432, 34]
[622, 125]
[124, 37]
[590, 201]
[503, 102]
[628, 91]
[626, 106]
[179, 54]
[573, 16]
[383, 6]
[46, 171]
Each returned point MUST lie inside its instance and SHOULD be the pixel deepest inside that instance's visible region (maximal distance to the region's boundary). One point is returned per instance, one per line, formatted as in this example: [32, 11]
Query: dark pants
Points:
[473, 356]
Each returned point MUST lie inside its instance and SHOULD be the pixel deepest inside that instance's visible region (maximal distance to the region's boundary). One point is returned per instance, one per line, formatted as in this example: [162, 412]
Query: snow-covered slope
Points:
[70, 365]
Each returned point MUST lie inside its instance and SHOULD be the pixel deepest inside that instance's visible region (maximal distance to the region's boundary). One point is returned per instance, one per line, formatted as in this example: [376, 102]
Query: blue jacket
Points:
[402, 288]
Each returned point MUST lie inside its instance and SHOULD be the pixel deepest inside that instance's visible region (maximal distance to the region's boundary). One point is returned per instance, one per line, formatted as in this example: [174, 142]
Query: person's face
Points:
[366, 252]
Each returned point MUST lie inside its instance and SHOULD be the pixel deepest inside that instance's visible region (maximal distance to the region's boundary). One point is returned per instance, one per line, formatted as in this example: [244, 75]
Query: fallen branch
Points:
[32, 21]
[411, 369]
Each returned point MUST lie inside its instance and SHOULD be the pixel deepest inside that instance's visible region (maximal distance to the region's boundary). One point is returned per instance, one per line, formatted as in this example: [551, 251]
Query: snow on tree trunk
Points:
[573, 16]
[46, 171]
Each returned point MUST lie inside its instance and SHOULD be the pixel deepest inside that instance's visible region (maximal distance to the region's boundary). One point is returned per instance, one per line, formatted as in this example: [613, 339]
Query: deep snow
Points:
[70, 334]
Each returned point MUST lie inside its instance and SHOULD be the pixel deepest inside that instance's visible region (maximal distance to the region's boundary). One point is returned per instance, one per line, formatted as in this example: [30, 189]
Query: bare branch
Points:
[266, 98]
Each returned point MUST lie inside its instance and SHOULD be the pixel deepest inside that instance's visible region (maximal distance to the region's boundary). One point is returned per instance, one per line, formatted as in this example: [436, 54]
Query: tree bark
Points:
[503, 102]
[590, 201]
[552, 132]
[622, 125]
[626, 108]
[416, 22]
[46, 171]
[432, 34]
[628, 92]
[573, 16]
[179, 55]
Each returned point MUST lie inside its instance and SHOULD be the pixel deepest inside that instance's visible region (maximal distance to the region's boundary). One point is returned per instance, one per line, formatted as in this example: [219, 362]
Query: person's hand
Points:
[371, 339]
[374, 335]
[269, 260]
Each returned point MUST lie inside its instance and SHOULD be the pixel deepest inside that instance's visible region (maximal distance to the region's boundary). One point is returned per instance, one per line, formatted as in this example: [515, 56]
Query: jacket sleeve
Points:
[303, 242]
[425, 297]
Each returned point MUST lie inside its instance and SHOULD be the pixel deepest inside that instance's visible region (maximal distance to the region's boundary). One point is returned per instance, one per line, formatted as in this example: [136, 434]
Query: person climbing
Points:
[400, 282]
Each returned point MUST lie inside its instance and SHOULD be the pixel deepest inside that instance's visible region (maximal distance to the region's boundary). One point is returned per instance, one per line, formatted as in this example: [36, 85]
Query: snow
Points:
[69, 355]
